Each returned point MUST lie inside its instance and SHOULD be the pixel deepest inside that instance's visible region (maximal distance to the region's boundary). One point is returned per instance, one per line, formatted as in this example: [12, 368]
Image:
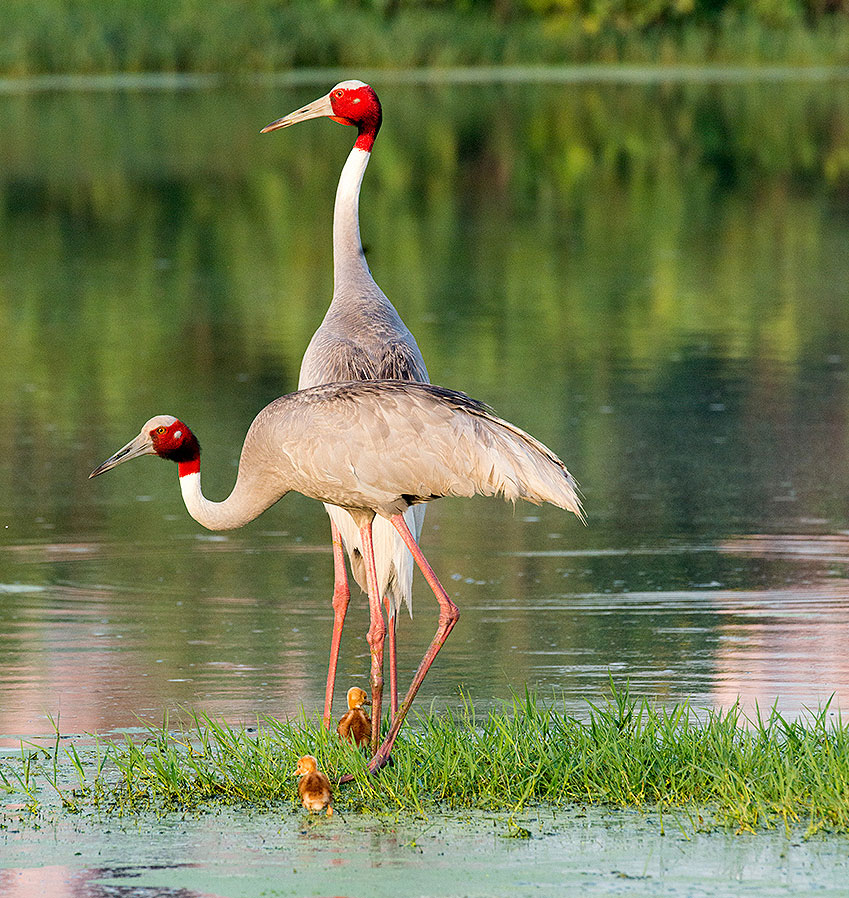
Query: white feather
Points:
[392, 558]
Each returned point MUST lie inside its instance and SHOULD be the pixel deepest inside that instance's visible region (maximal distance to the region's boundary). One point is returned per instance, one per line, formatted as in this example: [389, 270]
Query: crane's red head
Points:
[349, 103]
[355, 103]
[176, 442]
[164, 436]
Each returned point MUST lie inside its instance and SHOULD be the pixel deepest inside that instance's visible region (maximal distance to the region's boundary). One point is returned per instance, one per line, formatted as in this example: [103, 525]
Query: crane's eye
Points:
[161, 429]
[340, 93]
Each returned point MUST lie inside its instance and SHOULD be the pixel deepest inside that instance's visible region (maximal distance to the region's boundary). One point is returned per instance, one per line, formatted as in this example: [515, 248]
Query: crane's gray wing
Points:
[386, 445]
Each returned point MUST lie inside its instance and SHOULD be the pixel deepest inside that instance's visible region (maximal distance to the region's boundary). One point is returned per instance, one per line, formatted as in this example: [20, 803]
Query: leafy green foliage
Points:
[95, 36]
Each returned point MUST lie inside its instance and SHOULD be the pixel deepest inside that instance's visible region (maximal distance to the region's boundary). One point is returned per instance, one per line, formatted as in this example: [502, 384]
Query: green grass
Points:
[218, 36]
[626, 754]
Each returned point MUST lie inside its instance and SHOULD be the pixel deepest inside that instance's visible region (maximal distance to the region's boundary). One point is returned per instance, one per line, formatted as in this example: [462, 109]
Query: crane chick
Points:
[314, 786]
[355, 725]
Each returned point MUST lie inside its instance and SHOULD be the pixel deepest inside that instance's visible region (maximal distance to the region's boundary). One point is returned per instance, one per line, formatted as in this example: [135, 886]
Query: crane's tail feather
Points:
[512, 463]
[393, 562]
[400, 580]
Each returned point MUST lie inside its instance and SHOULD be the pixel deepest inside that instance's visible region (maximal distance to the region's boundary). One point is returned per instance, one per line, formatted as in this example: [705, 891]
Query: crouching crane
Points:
[374, 448]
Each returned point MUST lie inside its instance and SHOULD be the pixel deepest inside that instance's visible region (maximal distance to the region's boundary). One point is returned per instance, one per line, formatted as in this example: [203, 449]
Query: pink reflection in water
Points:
[106, 658]
[60, 881]
[786, 646]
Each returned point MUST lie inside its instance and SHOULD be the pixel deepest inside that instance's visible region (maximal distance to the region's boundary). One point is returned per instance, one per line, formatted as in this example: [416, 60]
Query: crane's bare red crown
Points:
[177, 443]
[360, 107]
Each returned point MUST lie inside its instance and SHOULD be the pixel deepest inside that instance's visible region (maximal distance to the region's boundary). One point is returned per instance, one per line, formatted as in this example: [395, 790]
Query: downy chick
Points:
[355, 725]
[314, 786]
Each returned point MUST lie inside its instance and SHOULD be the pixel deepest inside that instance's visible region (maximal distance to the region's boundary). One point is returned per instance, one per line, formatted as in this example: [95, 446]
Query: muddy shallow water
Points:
[240, 855]
[650, 277]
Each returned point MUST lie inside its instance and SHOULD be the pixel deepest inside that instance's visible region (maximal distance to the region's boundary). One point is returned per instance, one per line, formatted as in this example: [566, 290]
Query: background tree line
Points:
[227, 36]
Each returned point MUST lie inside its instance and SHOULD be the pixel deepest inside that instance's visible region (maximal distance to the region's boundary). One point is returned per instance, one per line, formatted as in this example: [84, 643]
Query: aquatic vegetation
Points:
[716, 768]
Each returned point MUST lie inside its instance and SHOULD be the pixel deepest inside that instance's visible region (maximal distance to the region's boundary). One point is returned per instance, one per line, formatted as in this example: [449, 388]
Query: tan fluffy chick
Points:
[355, 725]
[314, 786]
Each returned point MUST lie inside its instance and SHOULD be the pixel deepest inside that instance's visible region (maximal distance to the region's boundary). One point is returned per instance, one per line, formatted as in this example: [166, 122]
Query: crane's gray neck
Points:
[349, 261]
[248, 500]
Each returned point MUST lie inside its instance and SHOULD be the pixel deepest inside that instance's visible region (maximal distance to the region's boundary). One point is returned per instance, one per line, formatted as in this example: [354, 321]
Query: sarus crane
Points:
[362, 337]
[375, 449]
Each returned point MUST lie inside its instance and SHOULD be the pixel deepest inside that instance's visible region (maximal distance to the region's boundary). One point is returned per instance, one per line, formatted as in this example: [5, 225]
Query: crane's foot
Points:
[378, 762]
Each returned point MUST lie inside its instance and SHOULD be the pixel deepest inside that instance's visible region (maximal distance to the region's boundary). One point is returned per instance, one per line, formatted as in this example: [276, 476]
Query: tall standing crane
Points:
[362, 337]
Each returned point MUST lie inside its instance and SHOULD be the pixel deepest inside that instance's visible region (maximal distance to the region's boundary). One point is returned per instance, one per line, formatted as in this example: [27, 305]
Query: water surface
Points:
[650, 277]
[472, 855]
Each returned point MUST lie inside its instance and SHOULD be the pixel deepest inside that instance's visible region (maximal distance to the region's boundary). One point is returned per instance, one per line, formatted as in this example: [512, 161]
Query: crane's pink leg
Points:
[341, 598]
[448, 616]
[376, 634]
[393, 661]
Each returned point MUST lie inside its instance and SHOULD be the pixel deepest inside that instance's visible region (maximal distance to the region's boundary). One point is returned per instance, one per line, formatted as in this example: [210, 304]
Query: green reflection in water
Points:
[650, 278]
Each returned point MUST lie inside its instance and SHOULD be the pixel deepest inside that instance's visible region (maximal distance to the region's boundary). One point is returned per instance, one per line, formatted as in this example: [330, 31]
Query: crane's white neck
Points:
[243, 504]
[349, 261]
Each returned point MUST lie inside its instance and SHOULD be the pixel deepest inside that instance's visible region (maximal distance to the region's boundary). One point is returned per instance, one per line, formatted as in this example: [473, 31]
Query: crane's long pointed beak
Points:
[141, 445]
[317, 109]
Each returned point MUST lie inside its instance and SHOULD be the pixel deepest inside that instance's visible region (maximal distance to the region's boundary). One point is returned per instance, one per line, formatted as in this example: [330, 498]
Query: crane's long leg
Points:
[375, 636]
[448, 616]
[341, 598]
[393, 659]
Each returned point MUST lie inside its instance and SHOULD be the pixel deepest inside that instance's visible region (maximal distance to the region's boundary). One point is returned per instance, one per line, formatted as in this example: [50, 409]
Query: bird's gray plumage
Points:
[374, 448]
[362, 337]
[362, 341]
[383, 446]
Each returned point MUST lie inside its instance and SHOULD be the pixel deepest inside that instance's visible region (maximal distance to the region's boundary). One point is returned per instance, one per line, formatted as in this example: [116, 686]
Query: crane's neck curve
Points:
[248, 500]
[349, 261]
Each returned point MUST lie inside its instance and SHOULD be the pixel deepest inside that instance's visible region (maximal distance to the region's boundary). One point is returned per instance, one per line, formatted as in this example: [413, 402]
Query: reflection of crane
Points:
[376, 449]
[362, 337]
